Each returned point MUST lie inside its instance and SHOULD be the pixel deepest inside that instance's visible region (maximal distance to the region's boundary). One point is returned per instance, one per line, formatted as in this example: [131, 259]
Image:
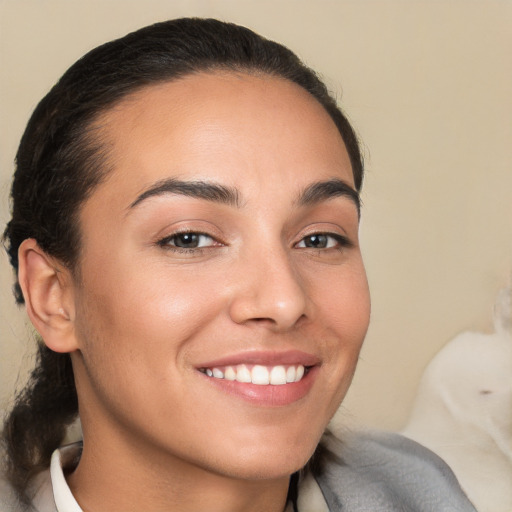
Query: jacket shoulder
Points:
[387, 472]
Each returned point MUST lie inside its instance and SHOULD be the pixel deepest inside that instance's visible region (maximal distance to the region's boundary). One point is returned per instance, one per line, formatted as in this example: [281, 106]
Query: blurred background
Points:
[428, 87]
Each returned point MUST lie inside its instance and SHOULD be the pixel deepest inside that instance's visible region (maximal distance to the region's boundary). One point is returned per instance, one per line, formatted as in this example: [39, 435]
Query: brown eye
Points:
[316, 241]
[188, 240]
[322, 241]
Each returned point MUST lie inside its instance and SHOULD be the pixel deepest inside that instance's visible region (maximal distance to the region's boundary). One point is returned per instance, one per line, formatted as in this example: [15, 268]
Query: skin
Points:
[142, 315]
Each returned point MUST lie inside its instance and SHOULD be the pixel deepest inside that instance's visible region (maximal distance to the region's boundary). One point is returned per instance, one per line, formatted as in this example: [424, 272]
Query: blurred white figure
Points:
[463, 410]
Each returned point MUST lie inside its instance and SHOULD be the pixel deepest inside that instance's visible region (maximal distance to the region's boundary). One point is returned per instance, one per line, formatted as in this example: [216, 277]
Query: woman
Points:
[185, 236]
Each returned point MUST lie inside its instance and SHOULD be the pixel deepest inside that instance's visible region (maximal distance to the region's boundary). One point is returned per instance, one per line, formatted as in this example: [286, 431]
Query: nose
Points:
[269, 290]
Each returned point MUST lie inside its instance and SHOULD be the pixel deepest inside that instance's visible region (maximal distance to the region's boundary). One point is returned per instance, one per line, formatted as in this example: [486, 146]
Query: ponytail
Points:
[37, 423]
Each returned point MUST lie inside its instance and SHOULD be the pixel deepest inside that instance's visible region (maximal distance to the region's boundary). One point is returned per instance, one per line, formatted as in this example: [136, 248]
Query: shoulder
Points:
[39, 492]
[387, 472]
[48, 490]
[8, 498]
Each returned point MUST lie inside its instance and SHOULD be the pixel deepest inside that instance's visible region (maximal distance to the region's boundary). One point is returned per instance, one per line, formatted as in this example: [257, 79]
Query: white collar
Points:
[64, 499]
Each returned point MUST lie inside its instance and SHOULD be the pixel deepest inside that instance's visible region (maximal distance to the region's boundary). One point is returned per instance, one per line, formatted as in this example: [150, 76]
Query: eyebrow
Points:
[198, 189]
[325, 190]
[312, 194]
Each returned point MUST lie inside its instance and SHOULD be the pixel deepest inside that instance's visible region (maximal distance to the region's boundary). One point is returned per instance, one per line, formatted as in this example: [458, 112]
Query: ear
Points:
[47, 287]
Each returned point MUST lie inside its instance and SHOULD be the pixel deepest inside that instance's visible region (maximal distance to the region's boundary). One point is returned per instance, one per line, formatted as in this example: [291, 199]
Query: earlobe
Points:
[48, 292]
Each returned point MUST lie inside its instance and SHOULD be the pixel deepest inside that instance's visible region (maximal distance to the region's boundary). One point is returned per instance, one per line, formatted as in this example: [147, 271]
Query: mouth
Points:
[263, 378]
[260, 375]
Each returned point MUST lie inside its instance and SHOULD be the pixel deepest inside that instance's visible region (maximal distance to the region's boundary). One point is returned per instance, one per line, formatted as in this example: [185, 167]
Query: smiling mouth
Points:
[257, 374]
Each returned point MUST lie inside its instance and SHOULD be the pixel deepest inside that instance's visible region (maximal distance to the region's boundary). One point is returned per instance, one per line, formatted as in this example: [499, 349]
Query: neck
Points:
[129, 477]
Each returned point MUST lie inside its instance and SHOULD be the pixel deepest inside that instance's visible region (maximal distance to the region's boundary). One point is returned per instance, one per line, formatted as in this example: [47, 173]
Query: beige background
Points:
[428, 85]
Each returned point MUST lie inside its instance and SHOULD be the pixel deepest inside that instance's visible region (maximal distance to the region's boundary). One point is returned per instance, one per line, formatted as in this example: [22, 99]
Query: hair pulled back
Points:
[60, 161]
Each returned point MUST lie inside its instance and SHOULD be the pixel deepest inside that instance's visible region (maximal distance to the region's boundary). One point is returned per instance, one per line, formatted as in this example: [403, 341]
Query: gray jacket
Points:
[384, 472]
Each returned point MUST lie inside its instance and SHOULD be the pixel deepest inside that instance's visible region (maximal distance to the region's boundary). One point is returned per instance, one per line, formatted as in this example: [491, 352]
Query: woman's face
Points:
[222, 248]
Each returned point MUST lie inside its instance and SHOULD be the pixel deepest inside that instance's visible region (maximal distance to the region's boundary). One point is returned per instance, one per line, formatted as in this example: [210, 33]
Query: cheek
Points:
[344, 314]
[132, 332]
[345, 305]
[140, 315]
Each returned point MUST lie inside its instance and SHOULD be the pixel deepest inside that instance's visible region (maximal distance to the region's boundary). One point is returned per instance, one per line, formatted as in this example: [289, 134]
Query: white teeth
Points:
[261, 375]
[230, 374]
[217, 373]
[278, 376]
[243, 374]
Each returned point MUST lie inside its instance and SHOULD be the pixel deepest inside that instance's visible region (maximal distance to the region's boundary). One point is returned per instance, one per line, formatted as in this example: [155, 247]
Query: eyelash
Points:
[341, 242]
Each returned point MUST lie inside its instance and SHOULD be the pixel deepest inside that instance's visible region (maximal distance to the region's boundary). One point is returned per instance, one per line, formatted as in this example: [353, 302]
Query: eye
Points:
[187, 240]
[322, 241]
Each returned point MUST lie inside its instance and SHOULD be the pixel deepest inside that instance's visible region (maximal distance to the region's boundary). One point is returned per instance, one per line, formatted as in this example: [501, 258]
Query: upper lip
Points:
[264, 358]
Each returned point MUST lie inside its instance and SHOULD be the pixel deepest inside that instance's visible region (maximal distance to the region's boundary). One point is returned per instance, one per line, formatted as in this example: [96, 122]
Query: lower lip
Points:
[267, 395]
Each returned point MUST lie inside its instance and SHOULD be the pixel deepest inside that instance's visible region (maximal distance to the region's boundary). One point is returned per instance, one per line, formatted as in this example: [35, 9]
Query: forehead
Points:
[236, 128]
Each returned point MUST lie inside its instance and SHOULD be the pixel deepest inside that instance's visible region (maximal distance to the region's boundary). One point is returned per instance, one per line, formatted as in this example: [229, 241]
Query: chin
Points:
[273, 461]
